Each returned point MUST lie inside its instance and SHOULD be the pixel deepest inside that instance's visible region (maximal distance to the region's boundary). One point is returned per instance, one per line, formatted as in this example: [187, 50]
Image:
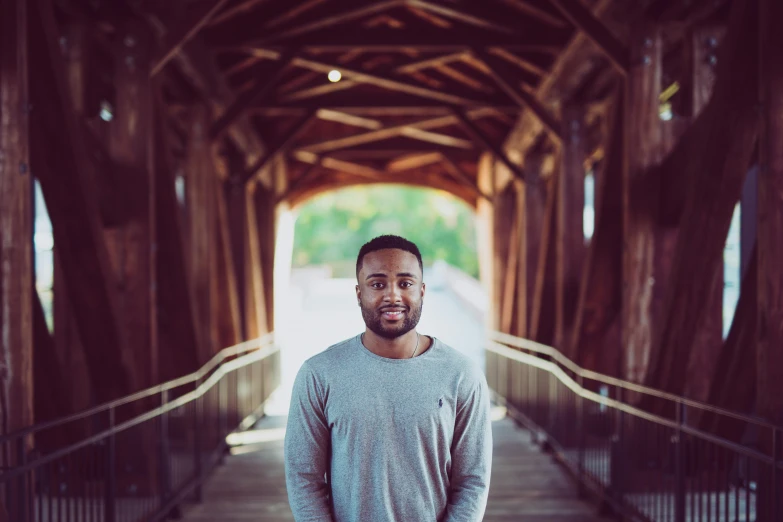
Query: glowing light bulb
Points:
[334, 76]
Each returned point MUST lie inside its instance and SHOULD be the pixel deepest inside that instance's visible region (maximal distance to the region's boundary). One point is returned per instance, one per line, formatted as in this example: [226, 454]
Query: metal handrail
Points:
[555, 370]
[642, 464]
[554, 353]
[143, 464]
[216, 360]
[160, 410]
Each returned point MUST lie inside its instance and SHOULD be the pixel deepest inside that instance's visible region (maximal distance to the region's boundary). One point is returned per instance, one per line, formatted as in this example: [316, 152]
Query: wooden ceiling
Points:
[426, 86]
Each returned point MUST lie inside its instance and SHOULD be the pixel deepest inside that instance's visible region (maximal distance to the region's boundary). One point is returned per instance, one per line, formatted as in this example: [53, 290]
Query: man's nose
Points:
[392, 294]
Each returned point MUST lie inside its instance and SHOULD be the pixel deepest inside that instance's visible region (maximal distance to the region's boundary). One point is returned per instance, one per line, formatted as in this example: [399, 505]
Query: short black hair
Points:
[384, 242]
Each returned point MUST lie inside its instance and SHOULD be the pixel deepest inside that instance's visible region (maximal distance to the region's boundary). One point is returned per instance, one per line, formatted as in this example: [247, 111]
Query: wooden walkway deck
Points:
[527, 486]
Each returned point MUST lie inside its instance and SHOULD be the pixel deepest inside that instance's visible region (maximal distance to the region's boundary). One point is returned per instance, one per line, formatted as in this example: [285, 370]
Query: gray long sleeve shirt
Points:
[401, 440]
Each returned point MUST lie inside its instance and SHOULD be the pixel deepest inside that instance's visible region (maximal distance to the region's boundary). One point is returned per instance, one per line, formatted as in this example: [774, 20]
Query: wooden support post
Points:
[16, 275]
[710, 201]
[67, 343]
[255, 300]
[200, 188]
[542, 316]
[506, 248]
[59, 162]
[132, 244]
[736, 363]
[236, 221]
[643, 132]
[225, 305]
[595, 343]
[177, 324]
[533, 219]
[264, 205]
[770, 231]
[570, 243]
[709, 338]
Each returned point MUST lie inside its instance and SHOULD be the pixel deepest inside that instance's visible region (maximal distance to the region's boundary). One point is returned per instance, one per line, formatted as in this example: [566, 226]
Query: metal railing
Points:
[645, 453]
[140, 457]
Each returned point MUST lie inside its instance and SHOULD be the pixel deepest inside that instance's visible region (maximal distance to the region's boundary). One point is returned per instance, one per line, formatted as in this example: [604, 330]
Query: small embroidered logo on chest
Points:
[440, 402]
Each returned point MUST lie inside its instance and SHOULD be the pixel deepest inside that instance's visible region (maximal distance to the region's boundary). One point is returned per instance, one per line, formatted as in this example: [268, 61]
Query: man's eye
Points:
[377, 285]
[406, 284]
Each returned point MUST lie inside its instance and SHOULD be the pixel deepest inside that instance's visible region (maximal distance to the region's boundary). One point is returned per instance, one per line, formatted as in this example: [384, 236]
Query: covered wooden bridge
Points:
[164, 140]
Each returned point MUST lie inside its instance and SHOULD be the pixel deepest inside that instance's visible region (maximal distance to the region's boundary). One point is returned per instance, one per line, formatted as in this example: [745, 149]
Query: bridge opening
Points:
[317, 244]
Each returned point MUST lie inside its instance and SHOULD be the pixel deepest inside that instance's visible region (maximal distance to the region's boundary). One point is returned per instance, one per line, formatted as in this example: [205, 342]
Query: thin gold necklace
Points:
[418, 337]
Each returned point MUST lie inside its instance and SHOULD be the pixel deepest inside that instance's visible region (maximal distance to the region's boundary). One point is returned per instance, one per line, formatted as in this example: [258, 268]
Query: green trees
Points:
[331, 228]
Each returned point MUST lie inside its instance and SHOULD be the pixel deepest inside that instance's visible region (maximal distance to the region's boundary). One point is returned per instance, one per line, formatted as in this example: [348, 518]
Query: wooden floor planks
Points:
[527, 486]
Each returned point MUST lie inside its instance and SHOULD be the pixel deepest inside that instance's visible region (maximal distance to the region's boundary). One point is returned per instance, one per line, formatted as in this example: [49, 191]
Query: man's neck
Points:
[402, 347]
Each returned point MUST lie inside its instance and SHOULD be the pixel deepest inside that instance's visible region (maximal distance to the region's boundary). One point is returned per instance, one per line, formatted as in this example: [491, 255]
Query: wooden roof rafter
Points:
[415, 130]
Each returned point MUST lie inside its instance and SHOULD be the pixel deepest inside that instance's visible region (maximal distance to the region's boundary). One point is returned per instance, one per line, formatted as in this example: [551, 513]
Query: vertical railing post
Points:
[22, 507]
[580, 426]
[222, 415]
[165, 457]
[617, 458]
[110, 500]
[679, 466]
[774, 493]
[198, 421]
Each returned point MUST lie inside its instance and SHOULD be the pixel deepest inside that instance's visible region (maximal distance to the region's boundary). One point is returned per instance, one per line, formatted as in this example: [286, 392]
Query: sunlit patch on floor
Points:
[498, 413]
[249, 437]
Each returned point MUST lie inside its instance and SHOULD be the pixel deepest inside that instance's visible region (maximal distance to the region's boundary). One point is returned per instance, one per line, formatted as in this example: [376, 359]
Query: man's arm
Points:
[307, 443]
[471, 455]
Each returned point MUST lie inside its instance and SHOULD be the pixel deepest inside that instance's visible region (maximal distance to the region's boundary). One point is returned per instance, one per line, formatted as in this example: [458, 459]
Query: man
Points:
[390, 425]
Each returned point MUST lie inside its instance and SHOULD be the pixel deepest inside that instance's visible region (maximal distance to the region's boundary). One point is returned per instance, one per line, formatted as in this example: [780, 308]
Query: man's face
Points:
[390, 292]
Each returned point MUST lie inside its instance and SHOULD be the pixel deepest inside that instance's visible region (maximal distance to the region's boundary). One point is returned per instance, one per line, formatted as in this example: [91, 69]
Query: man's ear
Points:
[358, 293]
[423, 289]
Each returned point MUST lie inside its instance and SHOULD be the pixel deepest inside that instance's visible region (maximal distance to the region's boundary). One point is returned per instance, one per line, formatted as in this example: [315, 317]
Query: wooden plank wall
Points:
[16, 275]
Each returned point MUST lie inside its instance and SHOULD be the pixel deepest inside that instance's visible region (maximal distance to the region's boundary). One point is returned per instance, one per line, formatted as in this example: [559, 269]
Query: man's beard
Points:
[373, 320]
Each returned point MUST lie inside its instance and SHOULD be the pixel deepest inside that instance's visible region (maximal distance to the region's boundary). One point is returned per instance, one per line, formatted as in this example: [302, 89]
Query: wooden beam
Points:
[430, 17]
[292, 13]
[413, 161]
[463, 78]
[178, 336]
[331, 21]
[337, 164]
[595, 341]
[462, 177]
[16, 227]
[386, 83]
[596, 31]
[200, 187]
[247, 98]
[282, 146]
[532, 10]
[525, 65]
[265, 208]
[223, 281]
[533, 219]
[59, 160]
[480, 139]
[522, 98]
[130, 244]
[736, 362]
[412, 130]
[461, 16]
[569, 235]
[234, 11]
[644, 135]
[712, 196]
[542, 316]
[198, 67]
[770, 229]
[181, 33]
[349, 119]
[431, 62]
[255, 301]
